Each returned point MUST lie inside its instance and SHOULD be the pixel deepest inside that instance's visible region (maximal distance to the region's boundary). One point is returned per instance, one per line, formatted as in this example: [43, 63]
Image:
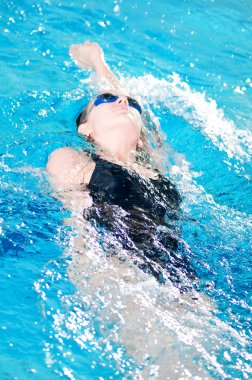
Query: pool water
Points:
[68, 311]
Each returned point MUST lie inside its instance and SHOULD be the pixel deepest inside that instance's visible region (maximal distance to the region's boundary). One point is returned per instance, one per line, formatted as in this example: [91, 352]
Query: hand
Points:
[88, 55]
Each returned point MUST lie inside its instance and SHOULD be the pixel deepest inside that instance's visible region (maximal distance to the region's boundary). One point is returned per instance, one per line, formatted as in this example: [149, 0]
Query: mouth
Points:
[127, 110]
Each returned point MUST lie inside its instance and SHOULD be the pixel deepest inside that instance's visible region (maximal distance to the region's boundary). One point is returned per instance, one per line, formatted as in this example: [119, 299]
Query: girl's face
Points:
[113, 122]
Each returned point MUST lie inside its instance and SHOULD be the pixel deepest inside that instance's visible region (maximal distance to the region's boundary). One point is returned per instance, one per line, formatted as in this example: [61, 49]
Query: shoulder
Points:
[68, 167]
[68, 153]
[65, 157]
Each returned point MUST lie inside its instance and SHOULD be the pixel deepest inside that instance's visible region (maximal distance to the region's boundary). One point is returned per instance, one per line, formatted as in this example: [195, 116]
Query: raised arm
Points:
[90, 56]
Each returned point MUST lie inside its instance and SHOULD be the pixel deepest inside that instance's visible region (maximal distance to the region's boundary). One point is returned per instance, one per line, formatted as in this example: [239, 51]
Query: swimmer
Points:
[132, 202]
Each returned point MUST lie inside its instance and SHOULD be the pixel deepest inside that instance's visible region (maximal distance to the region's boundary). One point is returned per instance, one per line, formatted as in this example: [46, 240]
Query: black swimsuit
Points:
[142, 215]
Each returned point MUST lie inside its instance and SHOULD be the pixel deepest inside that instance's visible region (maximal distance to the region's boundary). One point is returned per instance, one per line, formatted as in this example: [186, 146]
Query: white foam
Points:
[198, 110]
[158, 328]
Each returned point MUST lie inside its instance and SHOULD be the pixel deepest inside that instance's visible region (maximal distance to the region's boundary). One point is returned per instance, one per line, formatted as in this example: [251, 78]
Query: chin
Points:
[128, 119]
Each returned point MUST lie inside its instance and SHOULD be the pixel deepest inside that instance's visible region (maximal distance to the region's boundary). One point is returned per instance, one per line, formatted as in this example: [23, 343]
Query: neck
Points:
[117, 154]
[116, 151]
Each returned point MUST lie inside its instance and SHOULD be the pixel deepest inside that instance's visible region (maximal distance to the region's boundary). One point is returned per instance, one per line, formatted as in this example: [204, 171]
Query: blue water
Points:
[191, 61]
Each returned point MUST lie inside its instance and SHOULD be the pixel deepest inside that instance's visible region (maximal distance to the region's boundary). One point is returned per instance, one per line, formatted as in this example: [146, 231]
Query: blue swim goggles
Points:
[110, 98]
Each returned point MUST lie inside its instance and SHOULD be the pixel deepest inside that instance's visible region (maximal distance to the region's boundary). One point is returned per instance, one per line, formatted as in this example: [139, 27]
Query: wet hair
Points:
[82, 117]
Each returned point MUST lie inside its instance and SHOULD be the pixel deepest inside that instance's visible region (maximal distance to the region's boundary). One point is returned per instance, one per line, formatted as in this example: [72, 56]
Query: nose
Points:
[122, 100]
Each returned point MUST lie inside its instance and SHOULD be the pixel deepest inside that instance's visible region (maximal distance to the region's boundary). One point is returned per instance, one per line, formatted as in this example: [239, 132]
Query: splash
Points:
[129, 319]
[198, 110]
